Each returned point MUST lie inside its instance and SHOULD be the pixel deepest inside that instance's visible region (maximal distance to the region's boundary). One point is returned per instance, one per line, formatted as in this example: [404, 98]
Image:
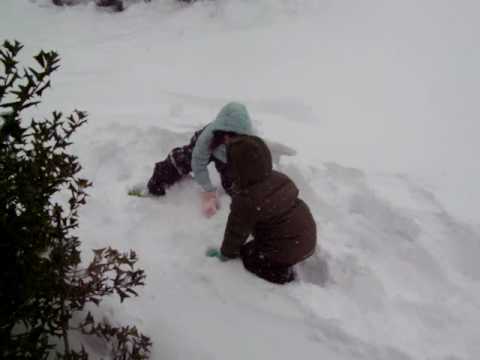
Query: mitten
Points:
[214, 252]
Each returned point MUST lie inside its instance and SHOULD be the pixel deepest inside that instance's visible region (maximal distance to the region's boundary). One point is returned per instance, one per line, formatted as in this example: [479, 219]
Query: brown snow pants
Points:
[255, 262]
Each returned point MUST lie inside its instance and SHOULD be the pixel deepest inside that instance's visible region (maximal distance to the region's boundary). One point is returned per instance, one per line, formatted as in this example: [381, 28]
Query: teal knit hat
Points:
[233, 117]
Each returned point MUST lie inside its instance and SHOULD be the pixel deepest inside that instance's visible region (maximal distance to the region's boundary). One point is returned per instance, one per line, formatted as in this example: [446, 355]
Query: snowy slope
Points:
[378, 99]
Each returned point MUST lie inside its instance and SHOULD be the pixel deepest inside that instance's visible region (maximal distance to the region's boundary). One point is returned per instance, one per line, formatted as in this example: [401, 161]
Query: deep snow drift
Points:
[377, 98]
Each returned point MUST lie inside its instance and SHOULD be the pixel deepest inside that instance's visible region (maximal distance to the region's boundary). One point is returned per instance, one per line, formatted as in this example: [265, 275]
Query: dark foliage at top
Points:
[115, 5]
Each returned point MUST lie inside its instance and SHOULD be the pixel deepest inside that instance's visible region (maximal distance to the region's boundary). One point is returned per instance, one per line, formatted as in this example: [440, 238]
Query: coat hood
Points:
[250, 161]
[233, 117]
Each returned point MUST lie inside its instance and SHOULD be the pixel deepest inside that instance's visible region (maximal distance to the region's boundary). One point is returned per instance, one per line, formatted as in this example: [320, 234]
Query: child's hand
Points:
[209, 203]
[214, 252]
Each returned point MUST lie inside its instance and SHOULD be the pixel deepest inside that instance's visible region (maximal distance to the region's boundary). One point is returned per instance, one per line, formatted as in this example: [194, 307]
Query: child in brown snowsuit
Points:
[265, 204]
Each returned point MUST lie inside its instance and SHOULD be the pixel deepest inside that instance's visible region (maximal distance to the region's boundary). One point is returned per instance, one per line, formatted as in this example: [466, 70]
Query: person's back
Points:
[265, 204]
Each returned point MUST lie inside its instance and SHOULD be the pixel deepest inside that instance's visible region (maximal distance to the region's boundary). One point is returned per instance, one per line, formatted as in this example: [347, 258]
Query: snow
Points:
[379, 100]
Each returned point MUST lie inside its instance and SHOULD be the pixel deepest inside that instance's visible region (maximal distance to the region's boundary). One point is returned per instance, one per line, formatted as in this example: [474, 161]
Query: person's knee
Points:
[257, 263]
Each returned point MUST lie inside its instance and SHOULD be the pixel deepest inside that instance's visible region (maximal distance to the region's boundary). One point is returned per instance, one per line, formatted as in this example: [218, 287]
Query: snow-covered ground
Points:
[379, 100]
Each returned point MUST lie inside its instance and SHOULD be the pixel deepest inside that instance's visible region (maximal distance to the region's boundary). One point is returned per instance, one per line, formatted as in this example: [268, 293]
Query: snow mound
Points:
[394, 277]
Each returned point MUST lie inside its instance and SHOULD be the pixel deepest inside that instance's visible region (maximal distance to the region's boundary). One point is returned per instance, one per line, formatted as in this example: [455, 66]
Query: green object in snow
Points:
[135, 192]
[139, 191]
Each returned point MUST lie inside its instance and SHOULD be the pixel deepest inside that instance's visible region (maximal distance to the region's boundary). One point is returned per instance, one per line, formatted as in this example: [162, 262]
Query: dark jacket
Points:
[265, 204]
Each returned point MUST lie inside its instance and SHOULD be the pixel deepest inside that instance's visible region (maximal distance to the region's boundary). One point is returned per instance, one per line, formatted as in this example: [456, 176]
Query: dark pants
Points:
[178, 165]
[255, 262]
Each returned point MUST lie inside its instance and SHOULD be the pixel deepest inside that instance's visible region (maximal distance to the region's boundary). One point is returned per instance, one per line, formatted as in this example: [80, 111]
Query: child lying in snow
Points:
[265, 204]
[206, 145]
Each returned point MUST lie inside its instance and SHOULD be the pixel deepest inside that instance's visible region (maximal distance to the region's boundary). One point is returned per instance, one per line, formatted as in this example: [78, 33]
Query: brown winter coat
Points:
[265, 204]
